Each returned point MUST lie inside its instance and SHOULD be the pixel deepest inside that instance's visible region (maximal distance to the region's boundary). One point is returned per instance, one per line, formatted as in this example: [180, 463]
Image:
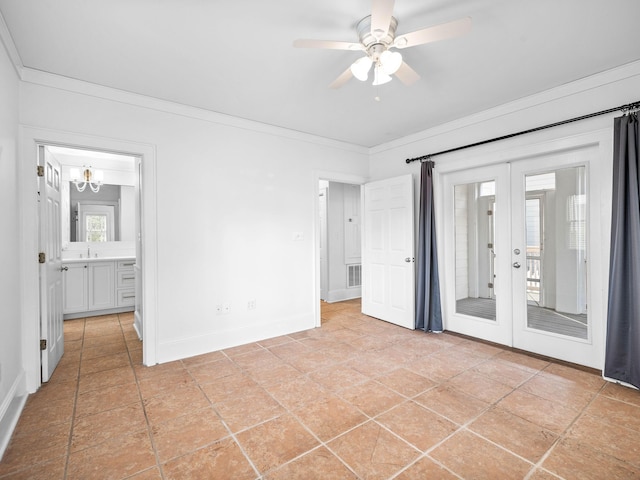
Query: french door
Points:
[516, 271]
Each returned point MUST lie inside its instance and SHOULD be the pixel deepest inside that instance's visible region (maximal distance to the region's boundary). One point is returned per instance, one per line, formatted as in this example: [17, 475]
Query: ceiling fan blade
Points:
[342, 79]
[381, 12]
[433, 34]
[407, 75]
[308, 43]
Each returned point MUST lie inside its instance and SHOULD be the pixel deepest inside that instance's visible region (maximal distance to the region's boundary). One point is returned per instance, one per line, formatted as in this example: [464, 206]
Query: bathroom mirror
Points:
[105, 216]
[104, 211]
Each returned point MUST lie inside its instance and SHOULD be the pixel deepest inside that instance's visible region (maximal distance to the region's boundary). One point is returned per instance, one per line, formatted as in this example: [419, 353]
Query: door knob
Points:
[408, 259]
[64, 269]
[516, 265]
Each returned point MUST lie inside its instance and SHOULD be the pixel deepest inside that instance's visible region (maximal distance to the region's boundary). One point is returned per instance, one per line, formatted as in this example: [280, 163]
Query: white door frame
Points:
[332, 177]
[600, 217]
[30, 138]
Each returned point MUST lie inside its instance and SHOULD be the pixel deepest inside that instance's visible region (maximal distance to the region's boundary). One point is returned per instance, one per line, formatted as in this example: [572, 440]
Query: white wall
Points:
[230, 195]
[11, 372]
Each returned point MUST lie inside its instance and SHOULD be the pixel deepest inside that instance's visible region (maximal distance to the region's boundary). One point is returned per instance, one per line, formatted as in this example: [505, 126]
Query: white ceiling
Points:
[236, 56]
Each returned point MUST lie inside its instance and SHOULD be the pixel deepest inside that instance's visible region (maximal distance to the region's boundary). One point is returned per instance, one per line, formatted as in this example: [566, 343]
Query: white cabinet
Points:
[74, 286]
[101, 285]
[125, 283]
[98, 287]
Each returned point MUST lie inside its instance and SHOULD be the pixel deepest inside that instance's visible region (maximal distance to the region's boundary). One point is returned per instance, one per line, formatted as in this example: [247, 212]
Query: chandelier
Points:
[90, 177]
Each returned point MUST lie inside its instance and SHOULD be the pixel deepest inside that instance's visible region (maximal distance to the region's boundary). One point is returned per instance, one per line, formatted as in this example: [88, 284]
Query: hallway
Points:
[358, 398]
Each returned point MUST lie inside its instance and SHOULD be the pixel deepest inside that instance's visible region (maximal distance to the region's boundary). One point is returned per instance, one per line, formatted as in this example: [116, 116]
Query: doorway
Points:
[339, 211]
[517, 270]
[32, 139]
[95, 226]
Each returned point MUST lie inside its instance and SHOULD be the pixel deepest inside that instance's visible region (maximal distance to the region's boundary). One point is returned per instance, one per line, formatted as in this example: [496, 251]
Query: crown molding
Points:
[10, 47]
[46, 79]
[566, 90]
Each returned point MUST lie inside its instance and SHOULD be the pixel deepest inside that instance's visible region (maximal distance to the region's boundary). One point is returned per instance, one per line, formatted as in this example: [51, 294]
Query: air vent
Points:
[354, 276]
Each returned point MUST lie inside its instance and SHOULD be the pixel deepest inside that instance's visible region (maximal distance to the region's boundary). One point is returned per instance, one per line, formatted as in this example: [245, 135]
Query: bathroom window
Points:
[96, 223]
[96, 228]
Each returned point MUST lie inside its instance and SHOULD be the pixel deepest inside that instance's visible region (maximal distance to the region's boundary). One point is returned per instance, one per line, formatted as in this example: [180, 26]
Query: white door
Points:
[542, 225]
[137, 267]
[51, 321]
[477, 273]
[388, 287]
[549, 253]
[324, 260]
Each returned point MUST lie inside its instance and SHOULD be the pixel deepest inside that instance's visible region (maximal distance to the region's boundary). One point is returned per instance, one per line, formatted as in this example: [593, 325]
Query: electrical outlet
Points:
[251, 304]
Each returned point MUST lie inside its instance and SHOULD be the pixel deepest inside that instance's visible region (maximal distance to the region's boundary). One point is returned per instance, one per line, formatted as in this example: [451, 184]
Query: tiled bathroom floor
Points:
[358, 398]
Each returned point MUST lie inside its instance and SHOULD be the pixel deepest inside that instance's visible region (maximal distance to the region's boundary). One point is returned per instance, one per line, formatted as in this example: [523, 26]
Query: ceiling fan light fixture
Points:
[390, 62]
[380, 77]
[360, 68]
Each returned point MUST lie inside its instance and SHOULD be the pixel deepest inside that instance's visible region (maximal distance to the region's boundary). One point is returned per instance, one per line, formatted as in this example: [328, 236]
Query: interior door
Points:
[51, 320]
[550, 232]
[138, 315]
[388, 287]
[324, 261]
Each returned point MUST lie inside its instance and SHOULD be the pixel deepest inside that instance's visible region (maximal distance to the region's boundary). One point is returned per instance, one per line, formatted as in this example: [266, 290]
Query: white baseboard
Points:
[232, 337]
[10, 411]
[343, 294]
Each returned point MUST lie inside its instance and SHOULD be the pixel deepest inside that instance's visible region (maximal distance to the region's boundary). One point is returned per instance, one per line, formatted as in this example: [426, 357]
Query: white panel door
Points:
[388, 288]
[324, 259]
[51, 320]
[138, 315]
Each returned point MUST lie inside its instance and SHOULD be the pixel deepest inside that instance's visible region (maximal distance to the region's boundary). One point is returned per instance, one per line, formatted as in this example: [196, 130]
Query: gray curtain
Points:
[428, 308]
[622, 357]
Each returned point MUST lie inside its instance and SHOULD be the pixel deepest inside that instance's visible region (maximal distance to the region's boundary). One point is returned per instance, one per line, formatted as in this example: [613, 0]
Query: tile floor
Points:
[358, 398]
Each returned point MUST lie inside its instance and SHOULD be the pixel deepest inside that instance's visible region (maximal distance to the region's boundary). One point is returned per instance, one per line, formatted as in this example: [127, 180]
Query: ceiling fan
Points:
[377, 36]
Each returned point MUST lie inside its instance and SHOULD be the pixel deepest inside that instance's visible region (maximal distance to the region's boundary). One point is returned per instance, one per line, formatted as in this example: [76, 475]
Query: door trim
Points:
[315, 233]
[29, 139]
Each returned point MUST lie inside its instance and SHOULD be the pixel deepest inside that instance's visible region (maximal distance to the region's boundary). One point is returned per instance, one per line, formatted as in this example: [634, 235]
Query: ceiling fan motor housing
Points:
[372, 45]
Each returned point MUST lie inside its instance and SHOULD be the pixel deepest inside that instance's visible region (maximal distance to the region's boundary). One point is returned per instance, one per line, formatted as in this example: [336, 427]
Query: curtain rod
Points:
[624, 108]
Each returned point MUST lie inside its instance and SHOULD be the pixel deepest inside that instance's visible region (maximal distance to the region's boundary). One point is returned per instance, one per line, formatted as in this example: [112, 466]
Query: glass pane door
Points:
[478, 299]
[549, 251]
[557, 252]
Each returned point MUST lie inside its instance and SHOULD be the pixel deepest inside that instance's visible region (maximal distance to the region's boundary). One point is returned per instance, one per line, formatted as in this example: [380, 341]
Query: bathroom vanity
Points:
[98, 286]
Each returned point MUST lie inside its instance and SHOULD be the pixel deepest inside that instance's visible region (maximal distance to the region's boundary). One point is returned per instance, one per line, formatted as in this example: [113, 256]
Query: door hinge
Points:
[489, 245]
[42, 258]
[490, 285]
[489, 212]
[40, 170]
[43, 344]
